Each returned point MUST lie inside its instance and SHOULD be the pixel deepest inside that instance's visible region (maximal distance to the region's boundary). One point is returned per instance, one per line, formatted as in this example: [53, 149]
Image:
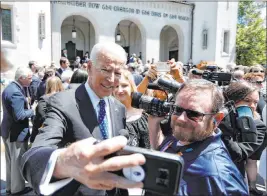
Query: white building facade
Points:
[159, 30]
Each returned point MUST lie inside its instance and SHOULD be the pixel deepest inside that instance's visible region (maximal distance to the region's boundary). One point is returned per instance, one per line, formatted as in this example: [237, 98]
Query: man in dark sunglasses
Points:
[208, 168]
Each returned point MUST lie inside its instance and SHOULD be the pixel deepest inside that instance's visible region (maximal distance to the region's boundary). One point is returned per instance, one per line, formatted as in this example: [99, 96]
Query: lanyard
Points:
[167, 145]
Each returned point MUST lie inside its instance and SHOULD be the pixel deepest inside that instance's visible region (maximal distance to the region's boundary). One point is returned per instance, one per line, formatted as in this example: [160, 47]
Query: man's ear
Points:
[218, 118]
[89, 65]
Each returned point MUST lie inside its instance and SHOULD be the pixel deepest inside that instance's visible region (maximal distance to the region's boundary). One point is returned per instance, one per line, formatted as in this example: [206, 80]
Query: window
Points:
[6, 24]
[226, 36]
[205, 39]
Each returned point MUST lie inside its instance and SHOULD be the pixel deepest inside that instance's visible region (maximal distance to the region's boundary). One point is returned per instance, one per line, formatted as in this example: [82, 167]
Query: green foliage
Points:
[251, 34]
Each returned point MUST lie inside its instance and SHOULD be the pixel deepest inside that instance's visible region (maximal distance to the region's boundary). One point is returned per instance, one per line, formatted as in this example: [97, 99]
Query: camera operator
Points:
[208, 168]
[245, 154]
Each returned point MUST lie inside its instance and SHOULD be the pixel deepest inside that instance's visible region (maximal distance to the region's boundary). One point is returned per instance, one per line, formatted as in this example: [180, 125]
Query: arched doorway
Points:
[169, 44]
[83, 41]
[130, 38]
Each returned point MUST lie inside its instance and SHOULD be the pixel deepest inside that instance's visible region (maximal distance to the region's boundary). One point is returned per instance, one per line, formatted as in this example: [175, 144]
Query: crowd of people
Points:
[78, 110]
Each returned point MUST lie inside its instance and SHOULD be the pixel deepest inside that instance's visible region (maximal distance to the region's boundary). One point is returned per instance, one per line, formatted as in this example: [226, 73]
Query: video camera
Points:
[187, 68]
[240, 119]
[151, 105]
[219, 77]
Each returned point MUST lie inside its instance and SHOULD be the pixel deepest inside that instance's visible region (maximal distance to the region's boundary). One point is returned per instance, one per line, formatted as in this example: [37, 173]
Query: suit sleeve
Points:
[39, 118]
[49, 138]
[18, 111]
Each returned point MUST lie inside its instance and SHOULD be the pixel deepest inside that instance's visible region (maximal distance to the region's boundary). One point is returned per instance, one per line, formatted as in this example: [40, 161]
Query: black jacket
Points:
[240, 151]
[40, 112]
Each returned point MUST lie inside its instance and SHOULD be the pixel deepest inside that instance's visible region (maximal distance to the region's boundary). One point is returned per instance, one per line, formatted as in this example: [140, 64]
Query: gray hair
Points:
[230, 66]
[238, 74]
[22, 72]
[66, 75]
[110, 48]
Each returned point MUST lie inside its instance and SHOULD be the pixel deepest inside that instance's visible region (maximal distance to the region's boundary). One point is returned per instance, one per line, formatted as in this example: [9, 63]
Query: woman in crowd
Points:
[245, 154]
[136, 120]
[79, 76]
[42, 86]
[257, 80]
[53, 85]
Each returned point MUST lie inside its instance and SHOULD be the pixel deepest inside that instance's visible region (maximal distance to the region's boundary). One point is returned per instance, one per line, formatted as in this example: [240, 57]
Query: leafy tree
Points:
[251, 34]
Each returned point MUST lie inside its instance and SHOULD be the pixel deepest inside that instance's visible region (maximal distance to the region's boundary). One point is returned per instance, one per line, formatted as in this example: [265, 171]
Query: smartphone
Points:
[162, 67]
[161, 174]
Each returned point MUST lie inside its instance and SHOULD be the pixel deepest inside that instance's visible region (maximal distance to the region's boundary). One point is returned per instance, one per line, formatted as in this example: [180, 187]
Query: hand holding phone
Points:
[160, 174]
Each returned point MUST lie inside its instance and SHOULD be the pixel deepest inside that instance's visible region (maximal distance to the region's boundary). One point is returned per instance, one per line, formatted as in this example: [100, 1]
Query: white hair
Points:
[230, 66]
[66, 75]
[180, 63]
[22, 72]
[238, 74]
[110, 48]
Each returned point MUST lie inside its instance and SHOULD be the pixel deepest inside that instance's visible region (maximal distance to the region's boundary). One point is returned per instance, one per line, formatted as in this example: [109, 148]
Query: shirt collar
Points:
[94, 98]
[63, 69]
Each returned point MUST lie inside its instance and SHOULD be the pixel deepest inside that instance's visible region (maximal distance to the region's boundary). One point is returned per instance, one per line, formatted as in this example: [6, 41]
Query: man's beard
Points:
[193, 135]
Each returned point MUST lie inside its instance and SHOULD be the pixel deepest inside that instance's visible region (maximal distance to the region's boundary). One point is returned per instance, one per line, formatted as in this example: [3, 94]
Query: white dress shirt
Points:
[47, 188]
[95, 101]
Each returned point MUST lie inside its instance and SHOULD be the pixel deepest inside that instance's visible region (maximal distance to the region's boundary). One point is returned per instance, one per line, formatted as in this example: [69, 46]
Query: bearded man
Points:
[208, 168]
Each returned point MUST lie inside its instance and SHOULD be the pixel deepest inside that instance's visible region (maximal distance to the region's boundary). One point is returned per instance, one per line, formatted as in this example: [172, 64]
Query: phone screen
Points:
[244, 111]
[162, 67]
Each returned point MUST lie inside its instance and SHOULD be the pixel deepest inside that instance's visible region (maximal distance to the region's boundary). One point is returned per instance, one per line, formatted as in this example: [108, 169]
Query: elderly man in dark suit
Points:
[65, 157]
[15, 128]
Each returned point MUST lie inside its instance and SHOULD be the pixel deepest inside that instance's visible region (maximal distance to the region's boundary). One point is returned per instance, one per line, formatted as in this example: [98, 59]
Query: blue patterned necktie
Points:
[102, 119]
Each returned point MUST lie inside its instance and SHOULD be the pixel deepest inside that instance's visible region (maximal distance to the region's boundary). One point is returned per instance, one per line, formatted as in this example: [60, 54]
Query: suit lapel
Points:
[87, 111]
[113, 116]
[24, 94]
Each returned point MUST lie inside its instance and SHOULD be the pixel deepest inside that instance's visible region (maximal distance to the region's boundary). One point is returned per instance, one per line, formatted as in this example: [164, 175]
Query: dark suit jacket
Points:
[41, 90]
[40, 112]
[70, 117]
[15, 111]
[33, 88]
[241, 151]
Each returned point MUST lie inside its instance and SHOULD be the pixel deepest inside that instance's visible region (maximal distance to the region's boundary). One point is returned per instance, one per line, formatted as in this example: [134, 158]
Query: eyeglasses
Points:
[257, 71]
[257, 82]
[108, 73]
[192, 115]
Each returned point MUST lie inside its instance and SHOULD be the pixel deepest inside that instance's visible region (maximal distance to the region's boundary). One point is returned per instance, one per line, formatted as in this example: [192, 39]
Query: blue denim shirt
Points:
[208, 168]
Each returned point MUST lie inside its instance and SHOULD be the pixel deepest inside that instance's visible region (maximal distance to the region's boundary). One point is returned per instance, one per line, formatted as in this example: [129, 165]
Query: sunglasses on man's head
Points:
[191, 114]
[257, 71]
